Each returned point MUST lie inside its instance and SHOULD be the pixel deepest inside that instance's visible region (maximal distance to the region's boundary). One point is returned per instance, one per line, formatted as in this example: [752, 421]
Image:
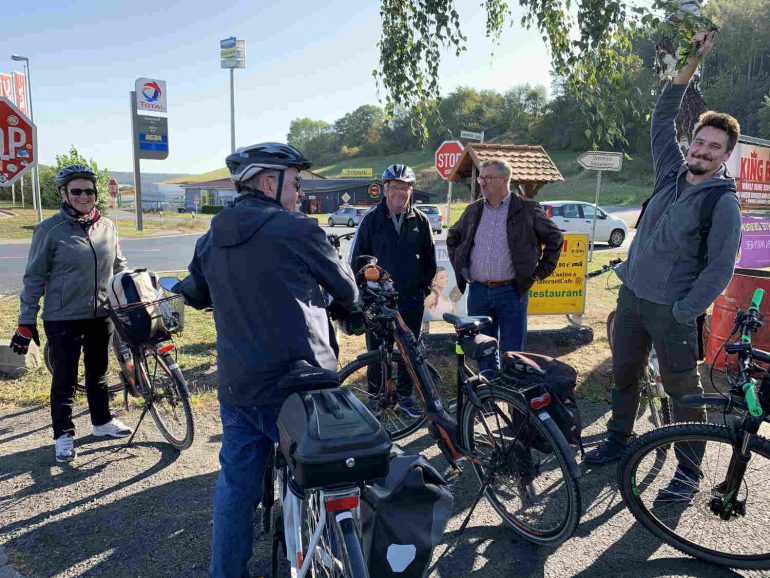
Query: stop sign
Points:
[113, 188]
[18, 143]
[447, 156]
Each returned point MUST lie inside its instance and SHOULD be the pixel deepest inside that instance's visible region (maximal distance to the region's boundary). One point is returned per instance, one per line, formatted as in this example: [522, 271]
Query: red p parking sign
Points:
[18, 143]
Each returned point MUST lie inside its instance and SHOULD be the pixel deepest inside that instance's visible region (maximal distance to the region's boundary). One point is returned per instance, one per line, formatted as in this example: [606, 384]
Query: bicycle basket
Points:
[149, 323]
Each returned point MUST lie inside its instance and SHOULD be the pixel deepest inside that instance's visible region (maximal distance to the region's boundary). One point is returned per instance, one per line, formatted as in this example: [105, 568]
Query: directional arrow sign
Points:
[601, 161]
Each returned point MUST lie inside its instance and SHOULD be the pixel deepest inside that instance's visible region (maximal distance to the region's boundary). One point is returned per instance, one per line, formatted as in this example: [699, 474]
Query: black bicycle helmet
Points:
[248, 161]
[399, 173]
[73, 172]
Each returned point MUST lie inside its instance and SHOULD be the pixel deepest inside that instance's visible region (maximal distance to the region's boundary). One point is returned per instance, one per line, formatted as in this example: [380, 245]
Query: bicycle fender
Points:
[564, 447]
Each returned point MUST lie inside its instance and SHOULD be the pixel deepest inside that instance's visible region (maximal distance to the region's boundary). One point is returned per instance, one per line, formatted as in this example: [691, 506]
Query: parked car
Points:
[434, 216]
[577, 217]
[349, 216]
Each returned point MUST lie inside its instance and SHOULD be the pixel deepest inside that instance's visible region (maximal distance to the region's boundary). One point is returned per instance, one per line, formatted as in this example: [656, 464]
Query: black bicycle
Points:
[725, 515]
[523, 463]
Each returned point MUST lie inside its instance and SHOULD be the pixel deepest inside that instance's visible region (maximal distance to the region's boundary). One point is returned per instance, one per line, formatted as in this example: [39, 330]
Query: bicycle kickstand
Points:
[136, 428]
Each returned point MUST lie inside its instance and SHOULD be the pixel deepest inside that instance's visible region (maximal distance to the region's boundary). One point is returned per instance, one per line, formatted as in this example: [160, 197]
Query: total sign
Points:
[18, 143]
[447, 156]
[150, 94]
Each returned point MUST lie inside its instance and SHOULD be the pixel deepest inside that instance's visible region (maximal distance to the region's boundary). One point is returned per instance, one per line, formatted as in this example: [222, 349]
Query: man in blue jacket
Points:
[667, 281]
[401, 238]
[260, 266]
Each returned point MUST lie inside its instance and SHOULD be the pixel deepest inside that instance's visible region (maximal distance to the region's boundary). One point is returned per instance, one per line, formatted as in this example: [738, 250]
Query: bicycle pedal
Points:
[120, 412]
[452, 473]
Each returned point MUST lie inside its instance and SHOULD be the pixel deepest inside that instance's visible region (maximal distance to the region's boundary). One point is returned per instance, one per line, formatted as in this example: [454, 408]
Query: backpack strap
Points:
[670, 175]
[710, 201]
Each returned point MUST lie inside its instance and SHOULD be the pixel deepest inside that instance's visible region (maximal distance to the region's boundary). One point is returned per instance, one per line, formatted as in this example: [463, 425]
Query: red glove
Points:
[24, 334]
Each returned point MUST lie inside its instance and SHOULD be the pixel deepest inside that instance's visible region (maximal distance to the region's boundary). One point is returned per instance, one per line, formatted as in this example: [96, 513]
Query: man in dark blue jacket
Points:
[402, 240]
[260, 266]
[667, 282]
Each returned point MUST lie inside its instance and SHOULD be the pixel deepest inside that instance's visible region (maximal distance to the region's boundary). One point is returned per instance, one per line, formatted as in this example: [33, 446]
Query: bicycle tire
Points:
[166, 393]
[531, 456]
[331, 558]
[392, 419]
[637, 488]
[611, 328]
[112, 388]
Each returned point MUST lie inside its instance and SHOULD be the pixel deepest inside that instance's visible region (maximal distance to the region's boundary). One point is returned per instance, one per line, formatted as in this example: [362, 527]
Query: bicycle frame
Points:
[342, 503]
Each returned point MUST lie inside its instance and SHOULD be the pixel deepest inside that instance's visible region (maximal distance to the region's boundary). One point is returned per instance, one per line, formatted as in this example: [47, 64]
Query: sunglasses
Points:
[297, 182]
[78, 192]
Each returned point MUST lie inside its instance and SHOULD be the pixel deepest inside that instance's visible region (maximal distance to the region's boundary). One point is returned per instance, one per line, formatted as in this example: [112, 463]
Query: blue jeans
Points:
[508, 311]
[248, 434]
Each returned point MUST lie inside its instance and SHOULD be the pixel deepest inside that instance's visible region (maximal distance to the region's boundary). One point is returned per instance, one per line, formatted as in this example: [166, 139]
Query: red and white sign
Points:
[20, 86]
[18, 143]
[447, 156]
[750, 165]
[6, 87]
[112, 187]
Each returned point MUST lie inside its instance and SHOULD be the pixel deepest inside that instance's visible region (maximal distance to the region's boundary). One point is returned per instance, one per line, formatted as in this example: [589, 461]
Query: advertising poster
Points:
[755, 243]
[750, 165]
[561, 293]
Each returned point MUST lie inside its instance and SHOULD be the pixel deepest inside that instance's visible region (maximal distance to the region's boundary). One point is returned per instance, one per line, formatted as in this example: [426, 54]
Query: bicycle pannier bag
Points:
[403, 518]
[536, 374]
[330, 438]
[132, 287]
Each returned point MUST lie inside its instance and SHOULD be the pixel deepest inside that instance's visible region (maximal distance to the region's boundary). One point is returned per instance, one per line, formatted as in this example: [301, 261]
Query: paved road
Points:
[160, 254]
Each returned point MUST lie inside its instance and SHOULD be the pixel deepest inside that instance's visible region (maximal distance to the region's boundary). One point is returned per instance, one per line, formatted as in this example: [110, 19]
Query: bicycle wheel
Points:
[530, 483]
[611, 328]
[692, 527]
[384, 406]
[331, 557]
[168, 398]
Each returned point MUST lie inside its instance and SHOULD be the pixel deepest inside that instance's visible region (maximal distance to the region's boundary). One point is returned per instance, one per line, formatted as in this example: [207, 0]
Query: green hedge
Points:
[211, 209]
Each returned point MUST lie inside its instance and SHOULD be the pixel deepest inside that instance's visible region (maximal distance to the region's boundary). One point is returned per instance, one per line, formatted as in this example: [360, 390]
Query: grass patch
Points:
[22, 225]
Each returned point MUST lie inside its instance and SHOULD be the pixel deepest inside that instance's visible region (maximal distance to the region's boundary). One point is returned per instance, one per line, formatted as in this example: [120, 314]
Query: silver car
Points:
[434, 216]
[348, 216]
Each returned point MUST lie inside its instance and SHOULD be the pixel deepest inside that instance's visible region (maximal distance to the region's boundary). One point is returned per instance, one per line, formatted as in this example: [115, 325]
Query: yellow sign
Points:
[565, 290]
[357, 173]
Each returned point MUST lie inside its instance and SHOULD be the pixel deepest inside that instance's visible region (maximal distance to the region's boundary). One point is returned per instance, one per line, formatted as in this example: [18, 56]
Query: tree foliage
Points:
[50, 195]
[590, 42]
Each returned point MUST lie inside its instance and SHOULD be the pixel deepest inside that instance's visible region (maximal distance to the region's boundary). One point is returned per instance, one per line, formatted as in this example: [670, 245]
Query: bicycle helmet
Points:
[398, 173]
[249, 161]
[73, 172]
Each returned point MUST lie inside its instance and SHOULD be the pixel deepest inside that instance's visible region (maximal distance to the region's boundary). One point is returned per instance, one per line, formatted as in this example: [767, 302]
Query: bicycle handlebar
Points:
[611, 266]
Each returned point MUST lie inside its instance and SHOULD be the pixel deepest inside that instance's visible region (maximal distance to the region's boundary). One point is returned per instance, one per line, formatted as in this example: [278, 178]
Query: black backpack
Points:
[534, 375]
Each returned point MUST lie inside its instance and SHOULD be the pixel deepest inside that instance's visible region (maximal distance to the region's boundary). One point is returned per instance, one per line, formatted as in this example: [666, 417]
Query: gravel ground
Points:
[145, 511]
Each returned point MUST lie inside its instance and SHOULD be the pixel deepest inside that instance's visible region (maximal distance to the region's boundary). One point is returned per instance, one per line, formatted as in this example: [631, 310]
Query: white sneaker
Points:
[114, 428]
[65, 449]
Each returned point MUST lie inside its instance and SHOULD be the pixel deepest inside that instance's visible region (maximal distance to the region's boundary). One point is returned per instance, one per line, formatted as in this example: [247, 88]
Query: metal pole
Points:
[596, 210]
[137, 163]
[22, 192]
[232, 110]
[13, 194]
[35, 175]
[449, 204]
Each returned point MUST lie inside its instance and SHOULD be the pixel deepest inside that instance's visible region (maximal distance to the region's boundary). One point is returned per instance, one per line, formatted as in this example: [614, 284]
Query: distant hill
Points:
[127, 178]
[628, 187]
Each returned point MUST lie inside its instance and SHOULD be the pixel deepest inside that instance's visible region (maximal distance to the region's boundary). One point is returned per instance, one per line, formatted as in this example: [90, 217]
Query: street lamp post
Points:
[35, 174]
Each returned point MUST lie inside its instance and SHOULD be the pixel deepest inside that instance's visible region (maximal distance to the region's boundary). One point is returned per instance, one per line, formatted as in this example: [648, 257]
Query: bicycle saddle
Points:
[305, 377]
[464, 323]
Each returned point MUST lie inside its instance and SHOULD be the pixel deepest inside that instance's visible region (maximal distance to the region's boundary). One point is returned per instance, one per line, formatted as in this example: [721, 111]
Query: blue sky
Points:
[304, 59]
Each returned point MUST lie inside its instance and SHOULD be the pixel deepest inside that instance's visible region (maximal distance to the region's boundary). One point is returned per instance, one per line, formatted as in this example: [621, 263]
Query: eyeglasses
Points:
[396, 189]
[482, 179]
[297, 181]
[78, 192]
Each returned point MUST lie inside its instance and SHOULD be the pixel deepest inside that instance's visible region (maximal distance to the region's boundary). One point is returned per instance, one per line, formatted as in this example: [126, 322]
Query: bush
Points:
[211, 209]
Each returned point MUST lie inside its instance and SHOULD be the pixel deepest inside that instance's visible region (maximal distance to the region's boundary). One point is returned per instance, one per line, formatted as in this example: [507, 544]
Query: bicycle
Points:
[317, 515]
[517, 451]
[652, 383]
[148, 366]
[724, 522]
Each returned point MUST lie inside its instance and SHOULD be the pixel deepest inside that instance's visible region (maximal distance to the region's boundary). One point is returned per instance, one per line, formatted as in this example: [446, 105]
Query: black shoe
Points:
[681, 489]
[607, 451]
[410, 407]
